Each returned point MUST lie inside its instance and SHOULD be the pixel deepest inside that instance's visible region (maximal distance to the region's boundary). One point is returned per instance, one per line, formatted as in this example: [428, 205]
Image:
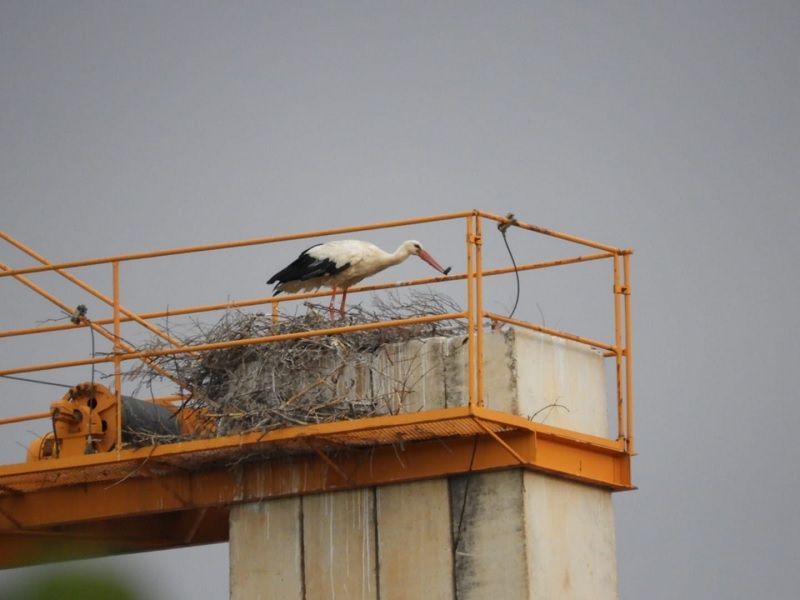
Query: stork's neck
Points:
[397, 256]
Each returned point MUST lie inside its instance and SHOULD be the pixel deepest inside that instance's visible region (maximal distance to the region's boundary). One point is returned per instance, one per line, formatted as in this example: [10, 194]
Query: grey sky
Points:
[673, 128]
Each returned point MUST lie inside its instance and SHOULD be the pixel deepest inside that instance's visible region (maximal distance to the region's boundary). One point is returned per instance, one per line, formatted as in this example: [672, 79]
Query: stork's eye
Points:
[417, 246]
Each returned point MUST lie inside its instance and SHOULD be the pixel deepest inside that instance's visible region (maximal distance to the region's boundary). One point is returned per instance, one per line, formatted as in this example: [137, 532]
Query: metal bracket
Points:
[328, 461]
[497, 439]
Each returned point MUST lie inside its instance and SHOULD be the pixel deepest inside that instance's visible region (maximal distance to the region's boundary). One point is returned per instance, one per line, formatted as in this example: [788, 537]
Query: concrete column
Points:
[569, 539]
[339, 545]
[266, 553]
[489, 536]
[414, 541]
[506, 535]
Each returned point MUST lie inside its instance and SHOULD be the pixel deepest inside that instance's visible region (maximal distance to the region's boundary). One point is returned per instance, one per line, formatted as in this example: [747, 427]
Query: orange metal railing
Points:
[474, 314]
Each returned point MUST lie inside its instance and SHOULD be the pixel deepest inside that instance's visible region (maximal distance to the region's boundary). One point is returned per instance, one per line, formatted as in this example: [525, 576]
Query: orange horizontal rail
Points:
[174, 312]
[68, 309]
[20, 418]
[238, 244]
[87, 288]
[235, 343]
[555, 332]
[556, 234]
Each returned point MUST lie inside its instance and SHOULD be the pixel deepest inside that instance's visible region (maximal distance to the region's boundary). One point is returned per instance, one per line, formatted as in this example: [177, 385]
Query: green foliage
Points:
[69, 585]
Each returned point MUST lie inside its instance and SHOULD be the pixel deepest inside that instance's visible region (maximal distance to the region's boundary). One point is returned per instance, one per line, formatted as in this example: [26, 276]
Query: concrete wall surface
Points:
[506, 535]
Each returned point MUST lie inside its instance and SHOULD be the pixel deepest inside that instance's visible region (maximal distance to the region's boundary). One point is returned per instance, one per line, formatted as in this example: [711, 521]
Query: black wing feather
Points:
[307, 267]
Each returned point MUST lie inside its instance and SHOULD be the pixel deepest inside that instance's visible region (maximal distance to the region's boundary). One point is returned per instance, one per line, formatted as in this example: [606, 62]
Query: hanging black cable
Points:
[28, 380]
[502, 228]
[457, 539]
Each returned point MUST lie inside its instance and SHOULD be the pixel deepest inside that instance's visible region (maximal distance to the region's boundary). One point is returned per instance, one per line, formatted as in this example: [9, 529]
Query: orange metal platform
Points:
[179, 494]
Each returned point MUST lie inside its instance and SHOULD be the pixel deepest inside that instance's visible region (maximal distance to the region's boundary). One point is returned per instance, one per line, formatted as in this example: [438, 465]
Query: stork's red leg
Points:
[344, 297]
[330, 306]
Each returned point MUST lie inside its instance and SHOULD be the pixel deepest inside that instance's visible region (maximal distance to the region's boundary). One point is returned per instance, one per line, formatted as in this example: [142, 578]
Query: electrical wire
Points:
[27, 380]
[502, 228]
[77, 317]
[457, 540]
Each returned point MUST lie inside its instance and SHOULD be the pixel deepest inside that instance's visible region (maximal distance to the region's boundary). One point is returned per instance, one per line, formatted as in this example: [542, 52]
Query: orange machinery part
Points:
[85, 422]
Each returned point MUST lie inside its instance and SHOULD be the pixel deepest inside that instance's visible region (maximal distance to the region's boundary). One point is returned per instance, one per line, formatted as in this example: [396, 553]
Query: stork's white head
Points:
[414, 247]
[411, 247]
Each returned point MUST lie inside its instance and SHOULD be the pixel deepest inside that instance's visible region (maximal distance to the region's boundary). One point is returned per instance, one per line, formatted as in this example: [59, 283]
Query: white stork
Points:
[341, 264]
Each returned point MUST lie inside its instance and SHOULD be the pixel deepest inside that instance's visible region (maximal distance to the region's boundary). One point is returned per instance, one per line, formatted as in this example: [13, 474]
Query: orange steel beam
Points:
[248, 482]
[306, 295]
[254, 440]
[327, 460]
[134, 508]
[550, 331]
[86, 287]
[235, 343]
[500, 441]
[68, 310]
[543, 430]
[246, 441]
[562, 451]
[237, 244]
[550, 232]
[309, 473]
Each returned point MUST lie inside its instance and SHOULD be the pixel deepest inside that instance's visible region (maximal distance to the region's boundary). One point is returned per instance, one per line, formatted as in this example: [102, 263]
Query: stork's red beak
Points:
[430, 260]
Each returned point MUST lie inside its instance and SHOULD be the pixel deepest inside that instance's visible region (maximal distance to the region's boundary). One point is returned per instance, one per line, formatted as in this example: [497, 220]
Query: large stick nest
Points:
[302, 381]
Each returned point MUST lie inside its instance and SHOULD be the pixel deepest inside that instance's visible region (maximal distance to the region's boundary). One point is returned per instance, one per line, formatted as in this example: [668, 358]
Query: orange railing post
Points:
[117, 355]
[470, 312]
[621, 433]
[478, 243]
[628, 356]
